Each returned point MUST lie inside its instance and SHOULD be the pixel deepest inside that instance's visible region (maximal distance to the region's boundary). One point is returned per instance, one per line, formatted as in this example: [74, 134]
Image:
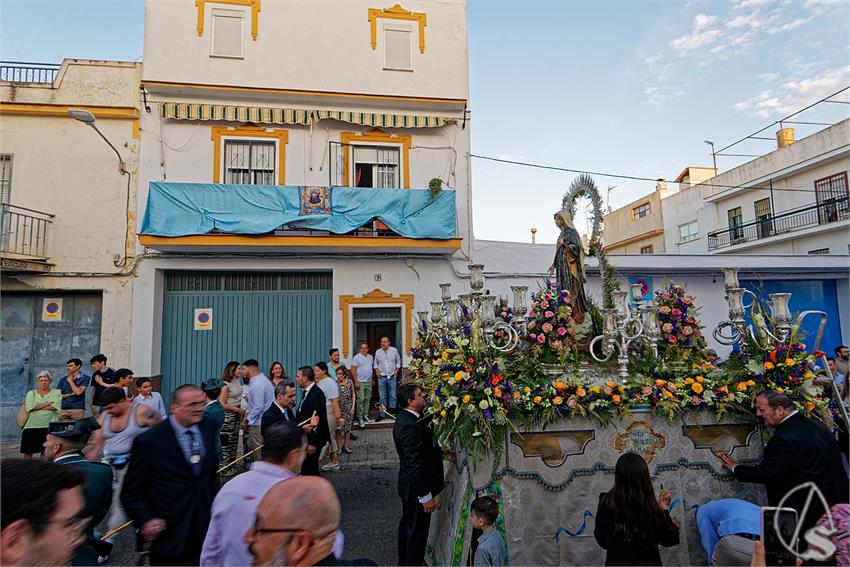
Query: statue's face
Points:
[559, 222]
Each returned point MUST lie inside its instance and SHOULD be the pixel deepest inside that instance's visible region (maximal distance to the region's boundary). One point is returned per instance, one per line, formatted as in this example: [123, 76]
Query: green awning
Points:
[268, 115]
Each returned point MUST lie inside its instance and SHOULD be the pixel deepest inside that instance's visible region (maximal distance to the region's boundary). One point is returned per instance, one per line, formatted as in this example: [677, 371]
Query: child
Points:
[491, 546]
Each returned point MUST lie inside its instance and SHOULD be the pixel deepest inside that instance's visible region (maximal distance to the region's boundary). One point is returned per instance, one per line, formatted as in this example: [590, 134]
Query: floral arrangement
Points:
[551, 327]
[681, 332]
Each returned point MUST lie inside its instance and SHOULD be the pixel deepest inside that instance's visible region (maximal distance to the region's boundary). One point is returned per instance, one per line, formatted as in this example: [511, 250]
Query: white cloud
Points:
[793, 95]
[703, 34]
[767, 77]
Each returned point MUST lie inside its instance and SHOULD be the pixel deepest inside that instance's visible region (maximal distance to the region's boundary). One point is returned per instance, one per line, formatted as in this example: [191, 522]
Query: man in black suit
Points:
[281, 409]
[312, 405]
[801, 450]
[420, 474]
[171, 481]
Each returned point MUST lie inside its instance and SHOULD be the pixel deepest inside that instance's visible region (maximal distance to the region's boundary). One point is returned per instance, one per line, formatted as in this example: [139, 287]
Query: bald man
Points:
[296, 524]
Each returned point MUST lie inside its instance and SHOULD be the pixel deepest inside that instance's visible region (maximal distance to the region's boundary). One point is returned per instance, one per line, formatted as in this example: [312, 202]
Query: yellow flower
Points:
[537, 399]
[700, 379]
[689, 380]
[443, 413]
[668, 394]
[790, 362]
[808, 375]
[742, 386]
[751, 383]
[809, 406]
[446, 377]
[780, 390]
[696, 387]
[559, 385]
[557, 400]
[622, 388]
[466, 398]
[459, 375]
[611, 384]
[615, 398]
[660, 383]
[526, 390]
[595, 389]
[497, 392]
[444, 355]
[580, 392]
[768, 365]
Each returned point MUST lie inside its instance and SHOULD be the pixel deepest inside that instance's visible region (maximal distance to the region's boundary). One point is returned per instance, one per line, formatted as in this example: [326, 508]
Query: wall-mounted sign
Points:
[203, 319]
[640, 438]
[51, 309]
[645, 287]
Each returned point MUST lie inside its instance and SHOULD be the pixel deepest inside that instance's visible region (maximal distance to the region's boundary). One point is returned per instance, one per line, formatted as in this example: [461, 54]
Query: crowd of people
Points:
[166, 470]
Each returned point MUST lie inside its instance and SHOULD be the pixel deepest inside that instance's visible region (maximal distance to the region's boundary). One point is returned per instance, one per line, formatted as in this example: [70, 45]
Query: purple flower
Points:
[487, 415]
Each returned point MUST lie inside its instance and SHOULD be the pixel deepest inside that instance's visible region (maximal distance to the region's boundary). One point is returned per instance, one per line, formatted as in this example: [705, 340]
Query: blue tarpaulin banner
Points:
[185, 209]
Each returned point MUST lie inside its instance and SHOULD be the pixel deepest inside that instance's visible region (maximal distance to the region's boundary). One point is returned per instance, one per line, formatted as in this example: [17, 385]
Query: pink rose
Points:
[544, 305]
[532, 336]
[646, 390]
[688, 300]
[571, 403]
[687, 330]
[547, 327]
[557, 344]
[561, 331]
[676, 312]
[607, 390]
[568, 310]
[531, 324]
[664, 309]
[548, 314]
[541, 339]
[695, 400]
[665, 296]
[671, 339]
[667, 327]
[690, 320]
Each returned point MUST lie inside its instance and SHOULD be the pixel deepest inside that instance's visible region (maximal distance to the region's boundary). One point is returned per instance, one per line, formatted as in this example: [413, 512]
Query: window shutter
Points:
[397, 46]
[227, 34]
[5, 178]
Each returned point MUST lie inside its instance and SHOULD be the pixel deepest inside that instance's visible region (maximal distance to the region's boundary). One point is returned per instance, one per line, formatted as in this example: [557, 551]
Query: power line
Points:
[630, 177]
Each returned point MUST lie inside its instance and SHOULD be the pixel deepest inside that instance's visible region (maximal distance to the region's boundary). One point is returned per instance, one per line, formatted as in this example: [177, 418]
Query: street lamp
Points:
[713, 155]
[88, 119]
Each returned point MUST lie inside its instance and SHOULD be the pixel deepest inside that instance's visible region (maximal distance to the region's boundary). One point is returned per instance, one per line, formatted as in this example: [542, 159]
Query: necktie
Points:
[195, 453]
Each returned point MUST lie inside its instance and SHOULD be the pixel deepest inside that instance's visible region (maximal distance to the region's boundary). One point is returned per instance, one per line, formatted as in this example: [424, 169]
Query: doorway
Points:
[370, 324]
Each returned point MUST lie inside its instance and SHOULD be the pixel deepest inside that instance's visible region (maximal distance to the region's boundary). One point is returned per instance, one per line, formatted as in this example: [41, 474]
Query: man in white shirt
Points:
[260, 398]
[387, 365]
[331, 391]
[363, 368]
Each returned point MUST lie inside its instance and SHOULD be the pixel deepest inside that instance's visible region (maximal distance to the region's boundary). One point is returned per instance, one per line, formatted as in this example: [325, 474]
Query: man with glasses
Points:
[64, 446]
[41, 505]
[172, 480]
[297, 524]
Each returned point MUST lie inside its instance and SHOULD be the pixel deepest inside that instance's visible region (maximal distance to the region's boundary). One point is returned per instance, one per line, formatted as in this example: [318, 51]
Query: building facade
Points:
[68, 219]
[638, 228]
[304, 179]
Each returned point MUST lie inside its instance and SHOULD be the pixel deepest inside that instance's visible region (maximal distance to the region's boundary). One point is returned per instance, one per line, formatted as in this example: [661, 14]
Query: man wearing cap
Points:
[64, 446]
[214, 409]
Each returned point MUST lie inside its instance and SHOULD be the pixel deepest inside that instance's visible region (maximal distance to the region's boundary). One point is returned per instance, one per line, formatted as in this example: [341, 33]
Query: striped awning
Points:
[266, 115]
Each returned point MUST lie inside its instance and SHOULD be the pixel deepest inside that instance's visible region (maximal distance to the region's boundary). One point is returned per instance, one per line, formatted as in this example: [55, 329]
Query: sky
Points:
[632, 87]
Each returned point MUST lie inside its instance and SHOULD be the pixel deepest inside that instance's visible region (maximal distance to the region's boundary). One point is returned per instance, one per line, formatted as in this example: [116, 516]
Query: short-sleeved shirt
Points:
[329, 388]
[77, 401]
[387, 362]
[108, 376]
[364, 365]
[40, 418]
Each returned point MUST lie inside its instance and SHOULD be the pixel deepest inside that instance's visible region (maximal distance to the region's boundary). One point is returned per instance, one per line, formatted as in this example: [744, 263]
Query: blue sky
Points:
[623, 87]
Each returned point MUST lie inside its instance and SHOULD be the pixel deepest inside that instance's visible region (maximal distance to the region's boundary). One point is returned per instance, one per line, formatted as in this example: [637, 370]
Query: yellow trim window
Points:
[249, 155]
[253, 4]
[228, 30]
[396, 13]
[376, 159]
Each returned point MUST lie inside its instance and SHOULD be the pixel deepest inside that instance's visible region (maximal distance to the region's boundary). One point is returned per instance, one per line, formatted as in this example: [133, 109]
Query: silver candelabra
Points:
[624, 324]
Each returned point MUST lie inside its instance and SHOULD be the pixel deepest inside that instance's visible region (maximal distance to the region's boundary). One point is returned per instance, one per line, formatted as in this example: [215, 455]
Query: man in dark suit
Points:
[312, 404]
[172, 481]
[420, 474]
[64, 446]
[281, 409]
[801, 450]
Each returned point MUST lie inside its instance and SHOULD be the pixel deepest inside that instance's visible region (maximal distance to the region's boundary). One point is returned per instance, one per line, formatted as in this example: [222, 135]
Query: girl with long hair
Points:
[276, 373]
[630, 522]
[231, 399]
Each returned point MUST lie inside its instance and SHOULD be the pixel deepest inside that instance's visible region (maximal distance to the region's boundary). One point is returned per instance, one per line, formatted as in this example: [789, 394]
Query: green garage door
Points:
[268, 316]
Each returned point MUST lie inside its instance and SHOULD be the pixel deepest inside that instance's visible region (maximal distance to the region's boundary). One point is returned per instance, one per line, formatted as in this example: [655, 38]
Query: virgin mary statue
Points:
[569, 264]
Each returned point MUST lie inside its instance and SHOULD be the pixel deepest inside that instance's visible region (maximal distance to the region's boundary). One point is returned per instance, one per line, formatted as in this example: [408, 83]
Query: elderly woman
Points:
[42, 406]
[346, 407]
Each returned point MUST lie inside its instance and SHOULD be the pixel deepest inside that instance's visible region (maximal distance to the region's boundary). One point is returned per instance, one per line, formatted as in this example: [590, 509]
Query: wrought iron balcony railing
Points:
[832, 210]
[23, 232]
[20, 72]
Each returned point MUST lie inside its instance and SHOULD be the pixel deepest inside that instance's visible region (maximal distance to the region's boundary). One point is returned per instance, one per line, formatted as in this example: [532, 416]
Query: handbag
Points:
[23, 414]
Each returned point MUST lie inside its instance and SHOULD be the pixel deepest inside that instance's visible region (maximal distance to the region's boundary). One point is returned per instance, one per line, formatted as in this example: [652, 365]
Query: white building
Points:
[342, 94]
[67, 233]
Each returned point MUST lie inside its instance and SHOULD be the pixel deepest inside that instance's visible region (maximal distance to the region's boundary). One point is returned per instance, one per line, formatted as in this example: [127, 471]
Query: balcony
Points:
[23, 239]
[827, 212]
[18, 72]
[195, 217]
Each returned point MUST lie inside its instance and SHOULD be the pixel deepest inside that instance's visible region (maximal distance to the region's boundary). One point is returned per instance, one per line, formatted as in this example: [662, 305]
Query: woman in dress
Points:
[148, 397]
[346, 407]
[276, 373]
[231, 399]
[569, 264]
[630, 522]
[42, 406]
